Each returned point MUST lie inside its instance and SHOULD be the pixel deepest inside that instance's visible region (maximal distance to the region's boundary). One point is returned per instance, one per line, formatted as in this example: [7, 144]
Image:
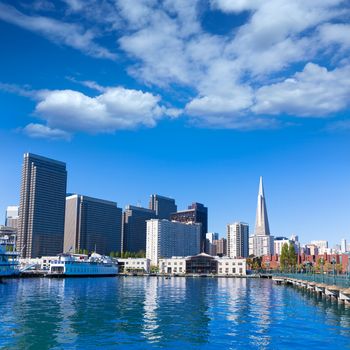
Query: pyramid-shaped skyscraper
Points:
[262, 222]
[261, 243]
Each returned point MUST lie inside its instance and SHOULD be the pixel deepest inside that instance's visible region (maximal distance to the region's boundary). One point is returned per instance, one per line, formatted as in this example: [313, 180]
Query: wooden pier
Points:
[342, 295]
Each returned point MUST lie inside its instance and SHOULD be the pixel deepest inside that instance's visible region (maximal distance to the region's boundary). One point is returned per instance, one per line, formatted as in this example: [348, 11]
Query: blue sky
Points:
[190, 99]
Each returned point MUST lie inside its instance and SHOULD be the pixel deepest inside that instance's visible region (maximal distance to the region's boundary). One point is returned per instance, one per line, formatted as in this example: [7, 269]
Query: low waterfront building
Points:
[134, 265]
[203, 264]
[232, 267]
[173, 265]
[171, 238]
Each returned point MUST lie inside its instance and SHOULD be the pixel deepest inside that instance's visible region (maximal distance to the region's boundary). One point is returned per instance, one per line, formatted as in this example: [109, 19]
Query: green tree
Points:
[284, 258]
[292, 256]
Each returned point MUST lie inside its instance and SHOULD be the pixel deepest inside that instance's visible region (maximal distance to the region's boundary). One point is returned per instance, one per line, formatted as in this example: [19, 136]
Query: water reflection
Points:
[141, 313]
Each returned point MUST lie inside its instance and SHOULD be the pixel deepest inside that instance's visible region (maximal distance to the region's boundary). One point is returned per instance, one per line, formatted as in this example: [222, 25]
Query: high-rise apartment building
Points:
[134, 228]
[11, 216]
[279, 242]
[92, 224]
[196, 213]
[163, 206]
[238, 240]
[220, 247]
[42, 206]
[170, 238]
[261, 243]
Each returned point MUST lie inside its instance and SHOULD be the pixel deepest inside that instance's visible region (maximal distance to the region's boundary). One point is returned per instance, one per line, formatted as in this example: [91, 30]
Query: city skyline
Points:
[261, 205]
[237, 94]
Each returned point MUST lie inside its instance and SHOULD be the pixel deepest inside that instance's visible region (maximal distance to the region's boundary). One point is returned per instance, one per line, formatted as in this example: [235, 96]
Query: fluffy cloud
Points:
[222, 80]
[314, 92]
[45, 132]
[117, 108]
[69, 34]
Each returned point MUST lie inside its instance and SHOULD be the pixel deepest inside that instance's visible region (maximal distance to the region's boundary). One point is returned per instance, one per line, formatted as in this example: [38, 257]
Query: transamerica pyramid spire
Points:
[262, 222]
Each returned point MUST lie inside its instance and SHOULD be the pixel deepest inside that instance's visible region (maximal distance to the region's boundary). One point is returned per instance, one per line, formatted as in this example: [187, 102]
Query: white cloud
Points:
[338, 33]
[45, 132]
[69, 34]
[115, 109]
[236, 5]
[314, 92]
[220, 79]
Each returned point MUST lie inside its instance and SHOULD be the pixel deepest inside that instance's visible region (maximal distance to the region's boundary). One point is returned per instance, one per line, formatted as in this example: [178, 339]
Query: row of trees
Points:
[124, 255]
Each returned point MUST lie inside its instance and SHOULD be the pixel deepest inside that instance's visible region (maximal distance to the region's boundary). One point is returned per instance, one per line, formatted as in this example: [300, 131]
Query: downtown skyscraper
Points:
[195, 213]
[163, 206]
[92, 224]
[42, 206]
[261, 243]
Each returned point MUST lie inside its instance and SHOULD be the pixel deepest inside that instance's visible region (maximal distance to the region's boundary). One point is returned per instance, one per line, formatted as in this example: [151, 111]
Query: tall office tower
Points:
[11, 217]
[92, 224]
[238, 240]
[261, 243]
[343, 246]
[196, 213]
[42, 206]
[134, 228]
[170, 238]
[220, 247]
[209, 238]
[163, 206]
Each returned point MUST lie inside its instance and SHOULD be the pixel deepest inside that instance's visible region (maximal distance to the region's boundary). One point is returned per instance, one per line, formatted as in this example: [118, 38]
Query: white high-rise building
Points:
[261, 243]
[11, 217]
[238, 240]
[171, 238]
[343, 246]
[279, 242]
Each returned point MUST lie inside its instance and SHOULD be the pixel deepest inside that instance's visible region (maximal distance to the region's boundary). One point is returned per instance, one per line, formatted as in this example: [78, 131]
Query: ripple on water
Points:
[118, 313]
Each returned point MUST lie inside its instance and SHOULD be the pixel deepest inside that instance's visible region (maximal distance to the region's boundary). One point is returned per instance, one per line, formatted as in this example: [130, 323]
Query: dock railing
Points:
[342, 280]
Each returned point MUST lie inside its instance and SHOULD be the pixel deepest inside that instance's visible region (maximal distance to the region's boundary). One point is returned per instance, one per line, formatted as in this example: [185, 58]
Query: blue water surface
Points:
[159, 313]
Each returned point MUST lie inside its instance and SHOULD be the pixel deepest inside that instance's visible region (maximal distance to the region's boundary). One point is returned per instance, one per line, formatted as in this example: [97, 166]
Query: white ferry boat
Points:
[69, 265]
[9, 265]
